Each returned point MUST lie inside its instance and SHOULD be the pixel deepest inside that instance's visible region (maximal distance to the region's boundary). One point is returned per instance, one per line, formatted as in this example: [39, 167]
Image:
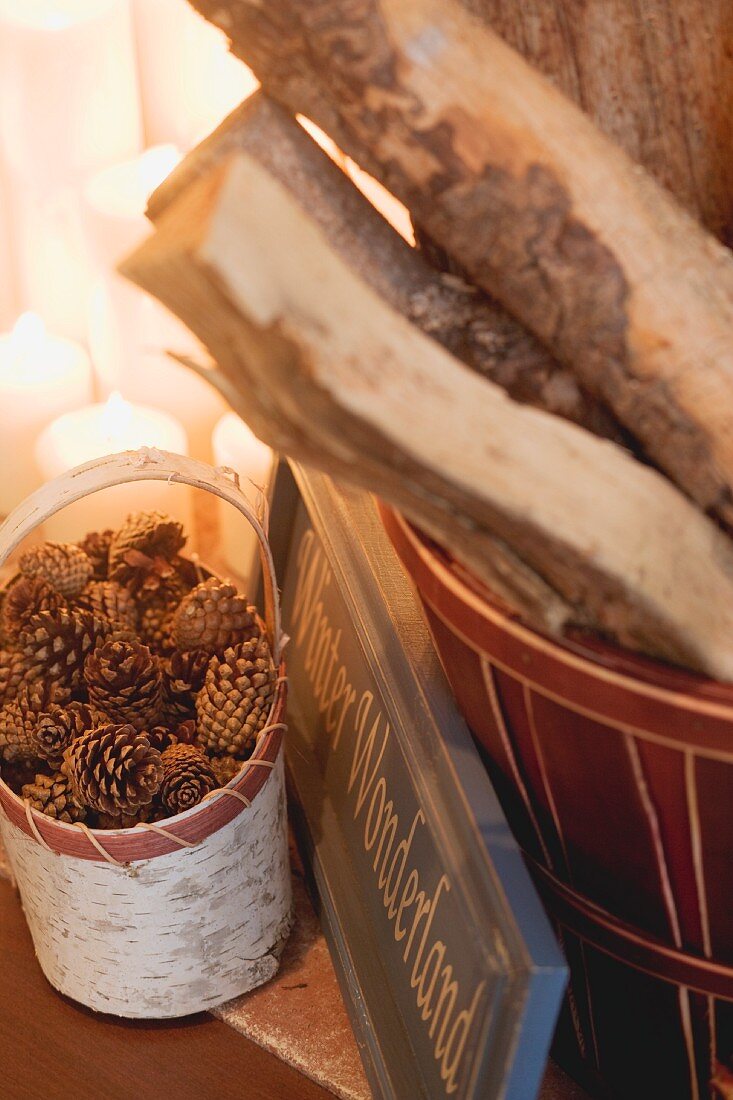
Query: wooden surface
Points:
[331, 375]
[53, 1049]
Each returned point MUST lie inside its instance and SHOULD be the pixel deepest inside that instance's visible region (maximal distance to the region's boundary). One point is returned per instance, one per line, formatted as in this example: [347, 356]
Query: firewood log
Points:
[460, 317]
[542, 210]
[340, 377]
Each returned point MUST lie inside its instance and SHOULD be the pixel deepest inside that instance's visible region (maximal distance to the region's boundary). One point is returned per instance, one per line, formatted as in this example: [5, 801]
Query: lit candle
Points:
[129, 332]
[69, 104]
[236, 446]
[189, 79]
[102, 429]
[41, 376]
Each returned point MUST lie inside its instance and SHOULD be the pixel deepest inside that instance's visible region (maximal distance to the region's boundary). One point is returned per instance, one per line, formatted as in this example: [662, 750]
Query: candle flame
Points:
[117, 416]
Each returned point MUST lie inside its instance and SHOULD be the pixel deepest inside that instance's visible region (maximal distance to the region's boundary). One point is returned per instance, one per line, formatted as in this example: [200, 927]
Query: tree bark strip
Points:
[341, 378]
[539, 207]
[460, 317]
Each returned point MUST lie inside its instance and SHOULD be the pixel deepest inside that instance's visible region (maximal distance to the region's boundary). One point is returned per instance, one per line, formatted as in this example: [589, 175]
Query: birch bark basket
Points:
[158, 922]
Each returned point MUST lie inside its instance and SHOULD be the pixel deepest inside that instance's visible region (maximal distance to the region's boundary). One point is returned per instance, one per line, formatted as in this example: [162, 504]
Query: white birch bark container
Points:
[160, 920]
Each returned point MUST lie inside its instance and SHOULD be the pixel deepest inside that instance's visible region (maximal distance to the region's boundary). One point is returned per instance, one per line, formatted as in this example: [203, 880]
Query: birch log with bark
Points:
[541, 209]
[460, 317]
[339, 375]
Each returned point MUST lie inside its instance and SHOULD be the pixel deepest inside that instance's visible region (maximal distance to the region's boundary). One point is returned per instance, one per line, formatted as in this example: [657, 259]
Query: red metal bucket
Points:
[616, 774]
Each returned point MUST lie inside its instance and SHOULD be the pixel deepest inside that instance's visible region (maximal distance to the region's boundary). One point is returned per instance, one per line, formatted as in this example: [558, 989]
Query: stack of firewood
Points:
[545, 386]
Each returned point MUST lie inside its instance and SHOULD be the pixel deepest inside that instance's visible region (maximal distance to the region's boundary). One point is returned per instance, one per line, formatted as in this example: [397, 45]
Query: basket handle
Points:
[146, 464]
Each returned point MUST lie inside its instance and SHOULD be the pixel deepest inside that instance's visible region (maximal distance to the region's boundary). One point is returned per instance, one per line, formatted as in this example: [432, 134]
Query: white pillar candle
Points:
[69, 104]
[41, 376]
[189, 79]
[129, 332]
[8, 275]
[98, 430]
[236, 446]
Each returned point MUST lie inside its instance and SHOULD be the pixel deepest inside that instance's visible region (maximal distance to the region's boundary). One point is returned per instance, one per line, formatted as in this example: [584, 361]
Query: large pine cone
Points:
[55, 644]
[142, 552]
[187, 777]
[113, 769]
[52, 796]
[63, 565]
[96, 547]
[110, 600]
[27, 596]
[212, 617]
[233, 705]
[58, 726]
[12, 671]
[125, 682]
[183, 678]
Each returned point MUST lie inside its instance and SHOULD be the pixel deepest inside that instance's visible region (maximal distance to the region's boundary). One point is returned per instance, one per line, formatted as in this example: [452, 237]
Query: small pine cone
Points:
[12, 671]
[109, 600]
[63, 565]
[212, 617]
[113, 769]
[233, 705]
[51, 795]
[142, 552]
[225, 768]
[125, 682]
[161, 738]
[126, 821]
[57, 727]
[183, 678]
[16, 773]
[186, 732]
[96, 547]
[26, 597]
[19, 718]
[55, 644]
[187, 777]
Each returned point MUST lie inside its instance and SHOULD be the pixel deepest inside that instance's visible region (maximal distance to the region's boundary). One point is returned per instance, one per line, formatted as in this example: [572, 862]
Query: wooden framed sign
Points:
[447, 961]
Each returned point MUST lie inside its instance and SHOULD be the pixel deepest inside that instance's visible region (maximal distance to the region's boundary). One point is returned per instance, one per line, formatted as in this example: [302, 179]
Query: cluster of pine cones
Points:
[129, 688]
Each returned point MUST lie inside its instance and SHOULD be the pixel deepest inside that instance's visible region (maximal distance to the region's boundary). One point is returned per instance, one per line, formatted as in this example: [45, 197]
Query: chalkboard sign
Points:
[446, 958]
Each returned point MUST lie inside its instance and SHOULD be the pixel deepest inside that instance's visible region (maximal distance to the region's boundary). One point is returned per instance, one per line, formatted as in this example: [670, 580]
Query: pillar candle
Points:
[97, 430]
[41, 376]
[189, 79]
[236, 446]
[69, 104]
[129, 332]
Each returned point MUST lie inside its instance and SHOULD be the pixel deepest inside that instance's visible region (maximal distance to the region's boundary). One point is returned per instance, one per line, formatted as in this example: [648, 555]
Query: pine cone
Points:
[61, 564]
[225, 768]
[183, 678]
[156, 612]
[187, 777]
[12, 671]
[109, 600]
[19, 718]
[57, 727]
[125, 682]
[212, 617]
[17, 773]
[51, 795]
[142, 552]
[96, 547]
[233, 705]
[126, 821]
[113, 769]
[27, 596]
[55, 644]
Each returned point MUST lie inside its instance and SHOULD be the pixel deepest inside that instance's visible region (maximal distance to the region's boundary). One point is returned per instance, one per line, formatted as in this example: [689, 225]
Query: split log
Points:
[657, 79]
[457, 315]
[539, 207]
[339, 377]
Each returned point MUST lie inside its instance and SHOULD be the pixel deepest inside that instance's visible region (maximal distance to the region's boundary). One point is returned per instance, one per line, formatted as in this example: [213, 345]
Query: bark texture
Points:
[539, 207]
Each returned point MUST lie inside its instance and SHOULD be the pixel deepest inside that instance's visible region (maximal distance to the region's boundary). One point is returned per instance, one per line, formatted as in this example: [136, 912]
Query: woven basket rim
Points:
[194, 825]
